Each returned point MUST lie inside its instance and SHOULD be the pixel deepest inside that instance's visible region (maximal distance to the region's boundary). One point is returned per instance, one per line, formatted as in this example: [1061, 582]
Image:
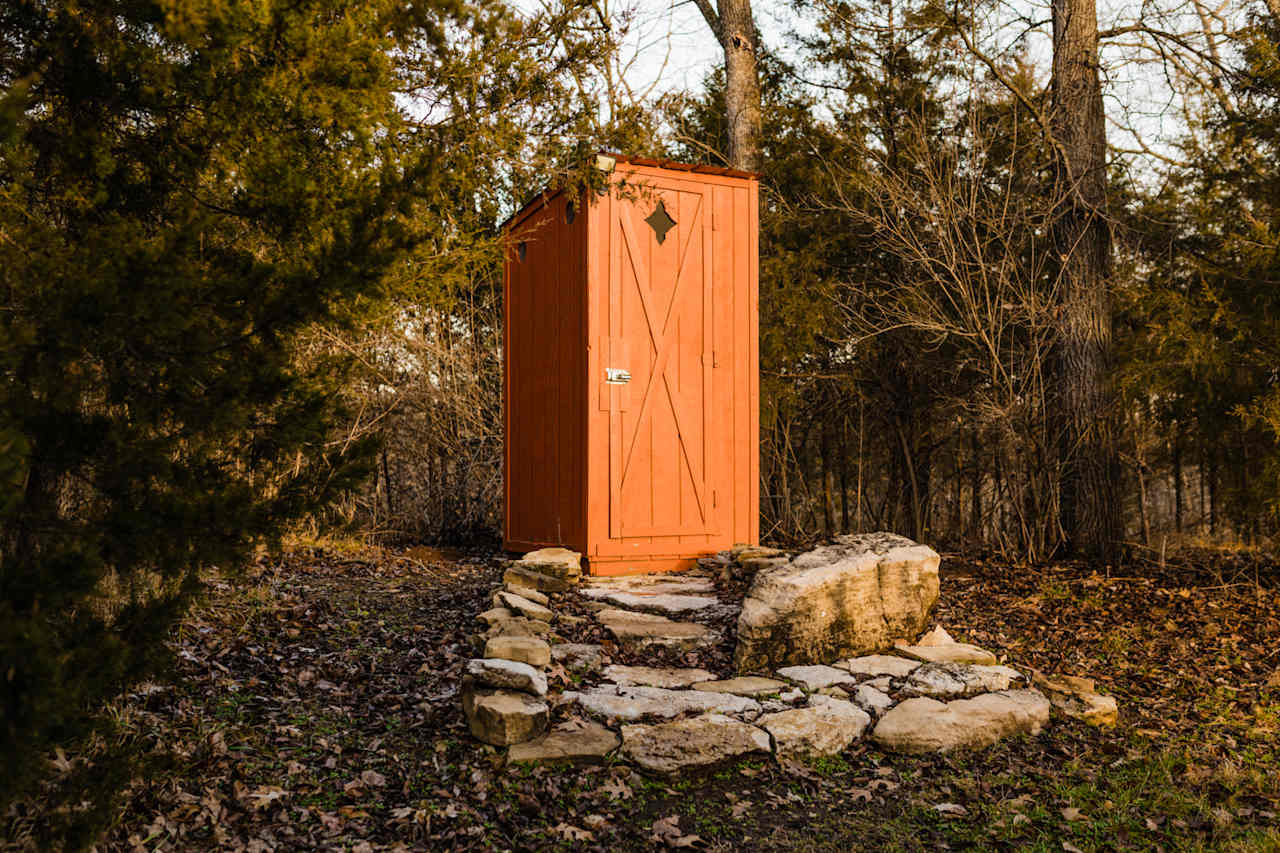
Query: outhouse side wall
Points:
[544, 378]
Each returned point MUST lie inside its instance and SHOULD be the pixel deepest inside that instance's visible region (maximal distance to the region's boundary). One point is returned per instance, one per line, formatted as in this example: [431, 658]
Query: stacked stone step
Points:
[504, 691]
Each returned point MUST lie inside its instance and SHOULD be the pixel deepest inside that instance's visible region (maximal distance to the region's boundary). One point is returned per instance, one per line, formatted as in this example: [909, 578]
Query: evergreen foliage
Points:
[186, 186]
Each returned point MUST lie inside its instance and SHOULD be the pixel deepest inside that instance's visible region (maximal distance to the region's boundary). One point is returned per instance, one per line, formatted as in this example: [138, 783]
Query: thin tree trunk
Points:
[735, 29]
[1177, 480]
[1089, 505]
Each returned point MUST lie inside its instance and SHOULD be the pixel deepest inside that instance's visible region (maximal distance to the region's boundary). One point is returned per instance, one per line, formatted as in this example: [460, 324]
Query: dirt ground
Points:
[313, 706]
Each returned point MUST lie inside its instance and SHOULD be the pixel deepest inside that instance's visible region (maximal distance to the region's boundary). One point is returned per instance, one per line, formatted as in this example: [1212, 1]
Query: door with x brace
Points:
[660, 358]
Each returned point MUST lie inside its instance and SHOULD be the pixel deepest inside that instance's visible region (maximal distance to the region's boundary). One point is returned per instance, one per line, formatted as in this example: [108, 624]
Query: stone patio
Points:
[673, 673]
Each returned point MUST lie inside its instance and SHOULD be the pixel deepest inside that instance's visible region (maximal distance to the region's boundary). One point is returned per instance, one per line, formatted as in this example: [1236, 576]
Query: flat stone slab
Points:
[958, 680]
[671, 604]
[816, 677]
[494, 615]
[507, 675]
[653, 676]
[578, 657]
[523, 606]
[556, 562]
[877, 665]
[503, 717]
[529, 593]
[926, 725]
[1078, 697]
[745, 685]
[826, 727]
[663, 584]
[638, 631]
[530, 650]
[696, 743]
[516, 626]
[637, 703]
[871, 699]
[577, 742]
[949, 653]
[518, 575]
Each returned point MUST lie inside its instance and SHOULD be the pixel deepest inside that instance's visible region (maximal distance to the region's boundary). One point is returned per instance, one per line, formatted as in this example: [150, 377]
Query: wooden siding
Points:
[649, 475]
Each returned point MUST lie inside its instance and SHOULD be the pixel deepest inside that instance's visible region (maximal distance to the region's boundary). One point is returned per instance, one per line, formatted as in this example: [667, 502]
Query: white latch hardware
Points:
[616, 376]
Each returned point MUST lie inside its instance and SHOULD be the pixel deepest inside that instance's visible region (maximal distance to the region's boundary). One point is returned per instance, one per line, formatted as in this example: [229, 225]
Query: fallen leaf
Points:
[951, 809]
[1071, 813]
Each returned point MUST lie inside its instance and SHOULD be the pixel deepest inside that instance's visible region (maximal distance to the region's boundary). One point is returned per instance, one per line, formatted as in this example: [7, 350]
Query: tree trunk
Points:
[735, 29]
[1089, 507]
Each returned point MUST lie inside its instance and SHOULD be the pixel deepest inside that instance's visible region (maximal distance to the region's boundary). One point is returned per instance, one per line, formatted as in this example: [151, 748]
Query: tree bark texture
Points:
[735, 29]
[1090, 512]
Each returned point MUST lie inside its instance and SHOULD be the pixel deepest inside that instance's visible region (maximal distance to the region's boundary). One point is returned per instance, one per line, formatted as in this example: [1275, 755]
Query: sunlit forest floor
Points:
[314, 706]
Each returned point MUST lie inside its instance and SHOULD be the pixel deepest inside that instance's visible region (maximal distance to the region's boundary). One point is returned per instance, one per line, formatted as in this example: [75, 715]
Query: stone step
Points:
[638, 703]
[639, 631]
[696, 743]
[927, 725]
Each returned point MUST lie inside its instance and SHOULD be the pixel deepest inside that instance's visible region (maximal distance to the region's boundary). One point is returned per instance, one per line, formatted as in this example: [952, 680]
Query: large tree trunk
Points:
[1090, 513]
[735, 29]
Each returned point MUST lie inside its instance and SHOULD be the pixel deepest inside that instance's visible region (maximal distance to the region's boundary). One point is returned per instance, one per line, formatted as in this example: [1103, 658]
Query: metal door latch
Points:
[616, 376]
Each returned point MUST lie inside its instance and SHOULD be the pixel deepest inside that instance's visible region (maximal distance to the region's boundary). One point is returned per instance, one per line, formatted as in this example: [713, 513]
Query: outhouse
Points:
[631, 376]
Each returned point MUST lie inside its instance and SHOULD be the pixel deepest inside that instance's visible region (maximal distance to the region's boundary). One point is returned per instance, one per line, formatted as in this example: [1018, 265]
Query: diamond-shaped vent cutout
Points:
[660, 221]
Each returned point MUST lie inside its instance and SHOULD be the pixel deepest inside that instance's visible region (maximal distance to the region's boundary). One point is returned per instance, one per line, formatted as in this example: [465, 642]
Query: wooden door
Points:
[661, 418]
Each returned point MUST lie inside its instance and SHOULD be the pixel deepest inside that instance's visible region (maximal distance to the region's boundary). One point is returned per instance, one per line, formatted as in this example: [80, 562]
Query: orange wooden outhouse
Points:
[631, 360]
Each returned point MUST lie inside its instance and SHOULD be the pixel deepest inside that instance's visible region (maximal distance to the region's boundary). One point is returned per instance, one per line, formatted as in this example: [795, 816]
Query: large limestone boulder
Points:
[696, 743]
[502, 717]
[854, 596]
[927, 725]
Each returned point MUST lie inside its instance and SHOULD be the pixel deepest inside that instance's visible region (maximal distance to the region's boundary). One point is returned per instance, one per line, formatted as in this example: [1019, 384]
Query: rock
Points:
[507, 674]
[791, 697]
[957, 680]
[670, 604]
[747, 685]
[501, 717]
[848, 598]
[742, 551]
[871, 700]
[1078, 697]
[937, 637]
[837, 692]
[560, 563]
[815, 677]
[697, 743]
[927, 725]
[523, 606]
[636, 703]
[637, 631]
[530, 650]
[884, 683]
[826, 727]
[518, 575]
[658, 584]
[517, 626]
[892, 665]
[529, 593]
[578, 657]
[578, 742]
[947, 653]
[494, 615]
[937, 646]
[651, 676]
